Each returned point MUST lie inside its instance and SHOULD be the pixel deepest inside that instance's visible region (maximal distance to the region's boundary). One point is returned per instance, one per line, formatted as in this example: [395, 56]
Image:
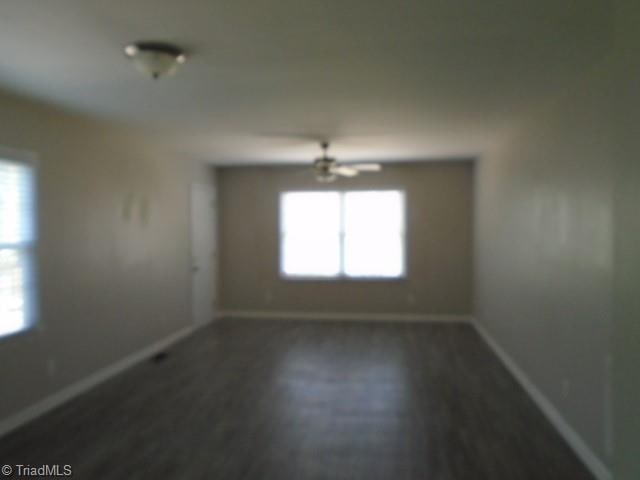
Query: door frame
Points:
[193, 186]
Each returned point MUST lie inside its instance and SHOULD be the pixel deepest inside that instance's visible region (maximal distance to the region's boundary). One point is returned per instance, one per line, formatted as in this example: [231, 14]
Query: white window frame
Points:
[30, 159]
[341, 275]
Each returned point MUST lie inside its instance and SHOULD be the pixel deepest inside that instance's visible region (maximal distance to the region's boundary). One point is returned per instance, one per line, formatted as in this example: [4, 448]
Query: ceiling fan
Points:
[327, 169]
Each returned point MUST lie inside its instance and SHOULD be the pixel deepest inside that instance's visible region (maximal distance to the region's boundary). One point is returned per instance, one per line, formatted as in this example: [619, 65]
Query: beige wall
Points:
[544, 252]
[544, 257]
[114, 246]
[557, 268]
[438, 198]
[626, 325]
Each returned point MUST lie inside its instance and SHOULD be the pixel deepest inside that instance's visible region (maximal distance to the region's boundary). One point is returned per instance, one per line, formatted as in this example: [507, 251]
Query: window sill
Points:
[342, 278]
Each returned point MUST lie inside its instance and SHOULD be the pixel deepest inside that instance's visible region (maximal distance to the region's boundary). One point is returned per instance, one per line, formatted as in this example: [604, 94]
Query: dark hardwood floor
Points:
[288, 400]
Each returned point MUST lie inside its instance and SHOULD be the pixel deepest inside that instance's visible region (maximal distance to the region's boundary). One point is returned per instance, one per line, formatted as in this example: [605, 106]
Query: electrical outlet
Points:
[411, 299]
[268, 296]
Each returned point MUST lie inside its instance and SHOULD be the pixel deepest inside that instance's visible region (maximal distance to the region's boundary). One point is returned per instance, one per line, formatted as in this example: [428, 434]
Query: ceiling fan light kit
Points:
[155, 59]
[323, 173]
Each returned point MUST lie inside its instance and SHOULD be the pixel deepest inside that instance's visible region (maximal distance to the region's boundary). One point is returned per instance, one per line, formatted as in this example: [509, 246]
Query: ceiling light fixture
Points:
[155, 58]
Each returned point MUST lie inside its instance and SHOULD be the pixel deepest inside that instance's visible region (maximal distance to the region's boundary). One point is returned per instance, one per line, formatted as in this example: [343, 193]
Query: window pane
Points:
[374, 234]
[310, 229]
[13, 270]
[373, 255]
[311, 254]
[16, 203]
[370, 212]
[17, 236]
[311, 212]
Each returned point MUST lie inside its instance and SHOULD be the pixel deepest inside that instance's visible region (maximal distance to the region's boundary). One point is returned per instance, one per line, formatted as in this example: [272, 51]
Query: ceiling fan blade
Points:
[366, 167]
[344, 171]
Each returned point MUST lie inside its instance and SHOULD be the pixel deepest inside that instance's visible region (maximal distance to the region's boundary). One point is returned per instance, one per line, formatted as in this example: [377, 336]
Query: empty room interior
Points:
[304, 240]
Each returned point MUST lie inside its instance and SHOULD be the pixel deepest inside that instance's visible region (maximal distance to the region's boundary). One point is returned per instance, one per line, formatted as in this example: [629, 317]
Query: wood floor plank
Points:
[299, 400]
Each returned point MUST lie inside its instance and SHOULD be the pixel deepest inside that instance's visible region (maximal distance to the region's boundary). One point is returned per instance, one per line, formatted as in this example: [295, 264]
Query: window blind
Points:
[17, 246]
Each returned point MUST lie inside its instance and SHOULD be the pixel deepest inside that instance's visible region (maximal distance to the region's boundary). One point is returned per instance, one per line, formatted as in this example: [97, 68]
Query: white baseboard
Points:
[62, 396]
[333, 316]
[579, 446]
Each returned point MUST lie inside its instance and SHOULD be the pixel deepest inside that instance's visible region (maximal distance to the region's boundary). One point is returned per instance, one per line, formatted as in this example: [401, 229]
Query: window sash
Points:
[18, 239]
[17, 311]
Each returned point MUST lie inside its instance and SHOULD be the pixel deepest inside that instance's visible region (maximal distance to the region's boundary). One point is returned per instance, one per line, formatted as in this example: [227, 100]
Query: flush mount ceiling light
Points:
[155, 58]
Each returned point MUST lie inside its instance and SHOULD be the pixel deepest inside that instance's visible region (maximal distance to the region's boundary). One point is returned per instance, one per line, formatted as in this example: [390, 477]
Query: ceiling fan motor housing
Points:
[323, 168]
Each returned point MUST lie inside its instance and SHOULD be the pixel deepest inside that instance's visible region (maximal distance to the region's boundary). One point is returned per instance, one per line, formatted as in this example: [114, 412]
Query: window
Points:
[17, 246]
[354, 234]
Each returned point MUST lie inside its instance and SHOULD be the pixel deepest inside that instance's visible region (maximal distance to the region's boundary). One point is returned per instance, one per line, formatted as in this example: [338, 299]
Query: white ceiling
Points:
[384, 79]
